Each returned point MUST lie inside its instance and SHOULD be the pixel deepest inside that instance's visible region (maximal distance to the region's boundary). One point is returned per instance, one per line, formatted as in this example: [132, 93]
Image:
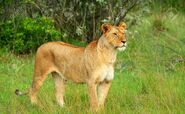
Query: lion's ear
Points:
[123, 25]
[106, 27]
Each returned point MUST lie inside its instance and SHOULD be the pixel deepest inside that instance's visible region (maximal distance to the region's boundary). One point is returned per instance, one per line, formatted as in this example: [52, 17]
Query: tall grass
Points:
[149, 76]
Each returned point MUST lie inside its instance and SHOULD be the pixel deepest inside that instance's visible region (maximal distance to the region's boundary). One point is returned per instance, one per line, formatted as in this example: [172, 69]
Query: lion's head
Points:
[115, 35]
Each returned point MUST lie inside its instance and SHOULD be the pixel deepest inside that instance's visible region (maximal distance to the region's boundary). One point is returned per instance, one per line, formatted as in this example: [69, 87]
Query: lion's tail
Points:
[19, 93]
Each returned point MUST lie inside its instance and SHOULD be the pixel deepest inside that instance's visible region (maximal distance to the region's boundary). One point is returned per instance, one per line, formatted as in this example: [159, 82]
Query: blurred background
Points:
[26, 24]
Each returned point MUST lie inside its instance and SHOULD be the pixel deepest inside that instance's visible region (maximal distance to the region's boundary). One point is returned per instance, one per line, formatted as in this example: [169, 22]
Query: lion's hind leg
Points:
[36, 84]
[40, 73]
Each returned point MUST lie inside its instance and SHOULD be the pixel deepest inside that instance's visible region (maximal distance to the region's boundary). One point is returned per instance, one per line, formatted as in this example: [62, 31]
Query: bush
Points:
[27, 34]
[77, 19]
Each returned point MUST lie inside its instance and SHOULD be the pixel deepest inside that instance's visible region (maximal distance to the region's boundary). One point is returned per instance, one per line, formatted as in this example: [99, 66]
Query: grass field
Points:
[149, 76]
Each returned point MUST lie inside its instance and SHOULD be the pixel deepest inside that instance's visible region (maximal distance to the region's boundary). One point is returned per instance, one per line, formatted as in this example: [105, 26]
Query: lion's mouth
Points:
[123, 45]
[121, 48]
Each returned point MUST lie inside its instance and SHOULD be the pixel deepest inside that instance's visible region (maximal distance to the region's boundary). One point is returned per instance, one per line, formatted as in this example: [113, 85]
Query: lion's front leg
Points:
[103, 89]
[92, 91]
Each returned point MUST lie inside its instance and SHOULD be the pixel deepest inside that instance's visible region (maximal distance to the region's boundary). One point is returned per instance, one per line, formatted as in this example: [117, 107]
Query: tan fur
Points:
[93, 65]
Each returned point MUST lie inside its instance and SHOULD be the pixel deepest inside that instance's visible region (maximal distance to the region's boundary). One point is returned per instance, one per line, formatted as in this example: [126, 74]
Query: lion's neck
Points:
[105, 51]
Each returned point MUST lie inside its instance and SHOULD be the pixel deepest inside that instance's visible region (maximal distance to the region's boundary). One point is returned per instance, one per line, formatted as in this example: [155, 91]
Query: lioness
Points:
[93, 65]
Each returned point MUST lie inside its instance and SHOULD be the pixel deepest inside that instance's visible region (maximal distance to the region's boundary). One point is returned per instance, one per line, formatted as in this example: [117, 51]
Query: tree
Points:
[74, 18]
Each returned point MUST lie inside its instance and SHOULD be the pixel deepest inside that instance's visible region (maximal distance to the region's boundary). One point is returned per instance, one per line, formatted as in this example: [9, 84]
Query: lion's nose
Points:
[123, 42]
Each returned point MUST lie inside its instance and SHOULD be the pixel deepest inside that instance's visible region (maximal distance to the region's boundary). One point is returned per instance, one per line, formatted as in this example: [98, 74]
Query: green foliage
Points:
[149, 75]
[79, 19]
[176, 4]
[25, 35]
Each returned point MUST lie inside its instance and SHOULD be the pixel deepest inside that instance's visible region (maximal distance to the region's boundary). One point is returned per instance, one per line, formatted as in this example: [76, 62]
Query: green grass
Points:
[149, 76]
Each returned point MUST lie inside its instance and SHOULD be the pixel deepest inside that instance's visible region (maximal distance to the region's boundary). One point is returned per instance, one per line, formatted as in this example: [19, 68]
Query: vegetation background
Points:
[149, 76]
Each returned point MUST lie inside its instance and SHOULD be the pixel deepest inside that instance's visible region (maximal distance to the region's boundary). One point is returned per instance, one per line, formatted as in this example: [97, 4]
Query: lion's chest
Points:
[105, 73]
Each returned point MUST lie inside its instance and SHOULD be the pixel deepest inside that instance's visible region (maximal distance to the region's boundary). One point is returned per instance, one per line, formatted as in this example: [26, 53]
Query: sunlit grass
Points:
[149, 76]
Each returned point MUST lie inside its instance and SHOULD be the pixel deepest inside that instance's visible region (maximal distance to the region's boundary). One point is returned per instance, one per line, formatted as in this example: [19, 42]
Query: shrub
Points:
[27, 34]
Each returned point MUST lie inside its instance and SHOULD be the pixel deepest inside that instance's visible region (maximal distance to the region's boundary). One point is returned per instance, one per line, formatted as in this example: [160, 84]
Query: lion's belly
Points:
[76, 75]
[74, 72]
[105, 73]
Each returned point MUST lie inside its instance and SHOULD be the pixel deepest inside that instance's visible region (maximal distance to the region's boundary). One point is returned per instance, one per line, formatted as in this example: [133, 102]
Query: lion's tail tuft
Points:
[19, 93]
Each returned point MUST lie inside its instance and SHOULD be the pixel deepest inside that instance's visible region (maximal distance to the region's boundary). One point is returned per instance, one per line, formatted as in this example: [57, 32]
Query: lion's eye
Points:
[115, 34]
